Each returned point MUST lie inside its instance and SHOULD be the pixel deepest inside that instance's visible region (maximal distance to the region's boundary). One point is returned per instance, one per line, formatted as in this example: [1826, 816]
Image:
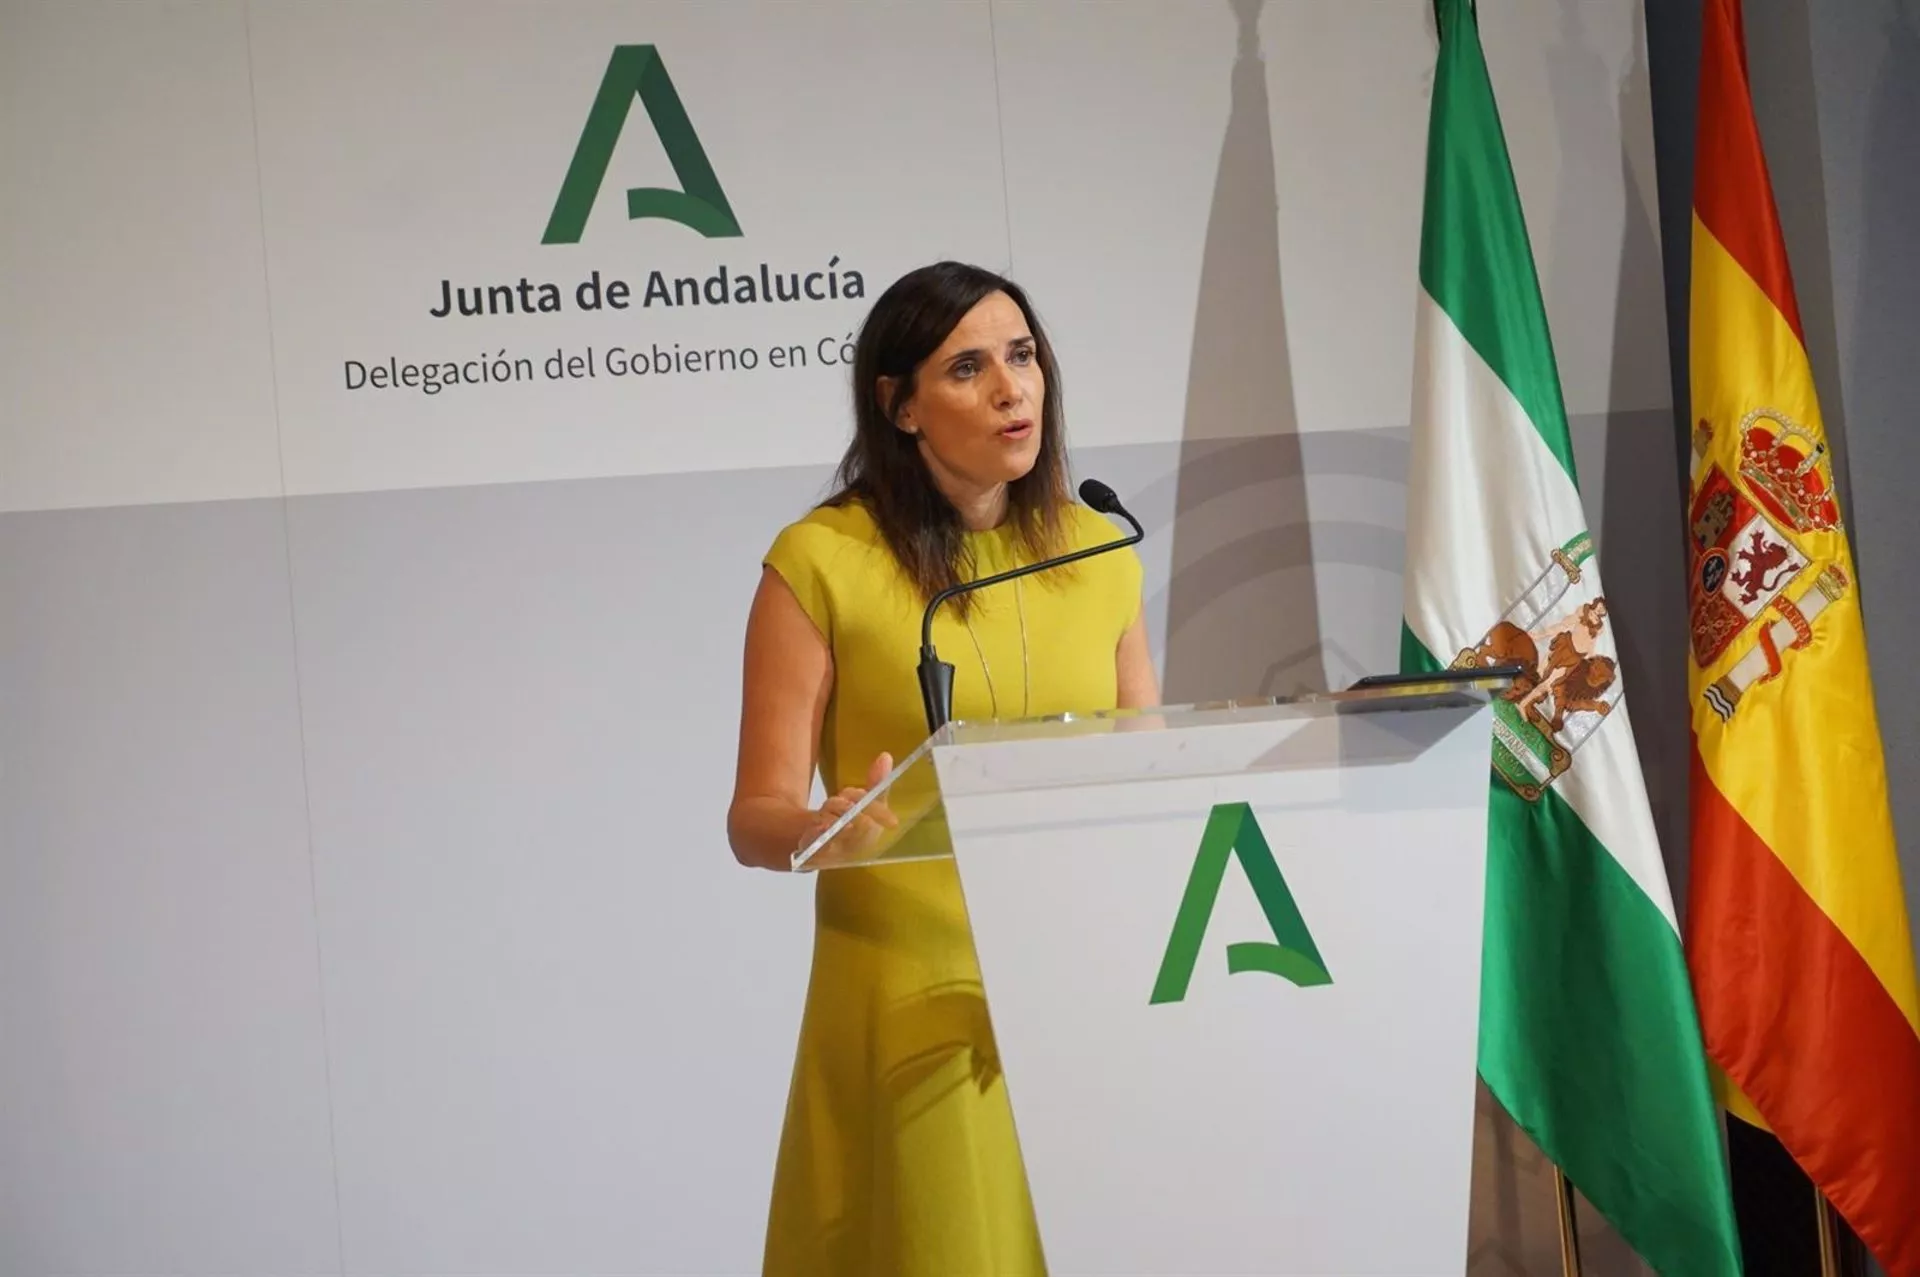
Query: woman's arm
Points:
[1139, 687]
[787, 679]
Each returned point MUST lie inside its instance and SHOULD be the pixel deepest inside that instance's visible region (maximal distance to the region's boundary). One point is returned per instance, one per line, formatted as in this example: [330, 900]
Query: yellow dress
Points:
[898, 1155]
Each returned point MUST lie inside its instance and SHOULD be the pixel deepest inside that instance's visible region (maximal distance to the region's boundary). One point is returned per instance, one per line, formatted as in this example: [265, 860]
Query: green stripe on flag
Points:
[1414, 656]
[1588, 1036]
[1475, 261]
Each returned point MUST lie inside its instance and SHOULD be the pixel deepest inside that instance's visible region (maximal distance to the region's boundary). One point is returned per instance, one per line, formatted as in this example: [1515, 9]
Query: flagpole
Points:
[1569, 1230]
[1829, 1236]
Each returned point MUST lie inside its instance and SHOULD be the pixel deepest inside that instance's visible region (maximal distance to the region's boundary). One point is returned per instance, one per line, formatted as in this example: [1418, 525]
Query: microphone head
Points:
[1099, 496]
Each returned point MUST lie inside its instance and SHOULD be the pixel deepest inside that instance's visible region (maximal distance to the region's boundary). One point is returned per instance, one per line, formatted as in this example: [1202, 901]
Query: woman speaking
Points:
[898, 1154]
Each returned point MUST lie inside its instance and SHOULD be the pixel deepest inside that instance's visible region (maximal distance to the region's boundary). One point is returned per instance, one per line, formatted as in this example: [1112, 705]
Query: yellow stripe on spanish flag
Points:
[1796, 926]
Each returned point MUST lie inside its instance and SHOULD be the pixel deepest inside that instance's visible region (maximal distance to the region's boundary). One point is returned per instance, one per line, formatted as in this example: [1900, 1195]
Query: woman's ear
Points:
[884, 390]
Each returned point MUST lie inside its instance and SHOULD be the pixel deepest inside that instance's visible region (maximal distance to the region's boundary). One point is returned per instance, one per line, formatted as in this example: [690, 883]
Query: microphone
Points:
[936, 676]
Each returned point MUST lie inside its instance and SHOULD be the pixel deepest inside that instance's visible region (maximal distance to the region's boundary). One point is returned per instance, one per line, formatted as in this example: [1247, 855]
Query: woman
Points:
[898, 1154]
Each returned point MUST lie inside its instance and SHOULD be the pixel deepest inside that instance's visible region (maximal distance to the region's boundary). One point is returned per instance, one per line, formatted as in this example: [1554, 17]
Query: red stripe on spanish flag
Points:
[1797, 931]
[1792, 999]
[1731, 191]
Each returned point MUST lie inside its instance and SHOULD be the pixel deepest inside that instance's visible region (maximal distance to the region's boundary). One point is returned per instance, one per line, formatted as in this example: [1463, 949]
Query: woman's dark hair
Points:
[883, 467]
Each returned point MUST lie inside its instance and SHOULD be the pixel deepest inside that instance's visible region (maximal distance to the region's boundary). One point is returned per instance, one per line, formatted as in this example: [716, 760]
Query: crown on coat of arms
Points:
[1783, 468]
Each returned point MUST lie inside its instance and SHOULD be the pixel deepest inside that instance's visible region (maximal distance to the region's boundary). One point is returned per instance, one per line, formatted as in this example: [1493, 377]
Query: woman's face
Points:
[976, 400]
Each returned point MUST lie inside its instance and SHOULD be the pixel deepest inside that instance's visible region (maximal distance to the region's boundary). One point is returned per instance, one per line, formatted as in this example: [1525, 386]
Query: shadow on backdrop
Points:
[1241, 609]
[1641, 513]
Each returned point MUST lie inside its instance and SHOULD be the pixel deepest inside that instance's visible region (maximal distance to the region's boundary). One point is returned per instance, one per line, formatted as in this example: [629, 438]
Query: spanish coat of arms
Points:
[1752, 578]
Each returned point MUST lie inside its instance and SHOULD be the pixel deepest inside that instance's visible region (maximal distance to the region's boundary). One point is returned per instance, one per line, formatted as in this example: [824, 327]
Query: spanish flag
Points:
[1796, 925]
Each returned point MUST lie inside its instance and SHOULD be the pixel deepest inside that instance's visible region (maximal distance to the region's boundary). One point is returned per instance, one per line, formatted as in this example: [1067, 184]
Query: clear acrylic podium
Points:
[1231, 954]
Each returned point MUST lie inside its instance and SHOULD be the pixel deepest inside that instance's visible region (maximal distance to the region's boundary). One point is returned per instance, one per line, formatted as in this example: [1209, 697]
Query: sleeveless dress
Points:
[898, 1155]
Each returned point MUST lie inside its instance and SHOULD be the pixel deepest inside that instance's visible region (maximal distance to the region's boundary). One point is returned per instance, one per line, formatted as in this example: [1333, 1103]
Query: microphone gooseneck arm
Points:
[936, 676]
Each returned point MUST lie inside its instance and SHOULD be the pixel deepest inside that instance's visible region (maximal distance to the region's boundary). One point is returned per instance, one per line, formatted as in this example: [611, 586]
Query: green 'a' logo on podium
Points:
[1232, 830]
[636, 71]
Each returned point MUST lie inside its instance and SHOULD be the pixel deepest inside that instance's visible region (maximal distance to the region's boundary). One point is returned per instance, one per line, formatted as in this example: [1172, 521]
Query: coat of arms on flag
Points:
[1557, 635]
[1747, 559]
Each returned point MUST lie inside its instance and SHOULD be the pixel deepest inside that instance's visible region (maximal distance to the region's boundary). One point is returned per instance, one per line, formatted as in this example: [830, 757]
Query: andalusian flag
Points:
[1796, 923]
[1588, 1035]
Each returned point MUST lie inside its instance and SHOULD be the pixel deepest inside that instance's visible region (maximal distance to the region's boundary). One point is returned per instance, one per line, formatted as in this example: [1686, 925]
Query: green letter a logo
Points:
[637, 71]
[1232, 830]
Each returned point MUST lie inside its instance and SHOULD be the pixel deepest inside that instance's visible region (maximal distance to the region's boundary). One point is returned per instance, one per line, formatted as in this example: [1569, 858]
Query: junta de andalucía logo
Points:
[1232, 831]
[636, 72]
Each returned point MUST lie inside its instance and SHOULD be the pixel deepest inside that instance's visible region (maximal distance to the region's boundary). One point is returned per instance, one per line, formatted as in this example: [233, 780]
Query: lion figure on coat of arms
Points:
[1562, 673]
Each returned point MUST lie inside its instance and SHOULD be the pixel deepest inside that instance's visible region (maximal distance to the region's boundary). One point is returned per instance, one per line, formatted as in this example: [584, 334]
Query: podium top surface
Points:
[903, 818]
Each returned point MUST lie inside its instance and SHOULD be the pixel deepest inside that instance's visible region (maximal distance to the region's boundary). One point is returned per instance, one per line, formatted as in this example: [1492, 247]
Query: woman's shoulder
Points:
[1117, 574]
[828, 529]
[825, 552]
[1086, 527]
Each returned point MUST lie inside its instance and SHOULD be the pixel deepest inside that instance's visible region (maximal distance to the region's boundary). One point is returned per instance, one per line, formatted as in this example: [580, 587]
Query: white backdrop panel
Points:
[1135, 134]
[163, 1079]
[859, 134]
[561, 1016]
[1114, 117]
[1577, 108]
[133, 337]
